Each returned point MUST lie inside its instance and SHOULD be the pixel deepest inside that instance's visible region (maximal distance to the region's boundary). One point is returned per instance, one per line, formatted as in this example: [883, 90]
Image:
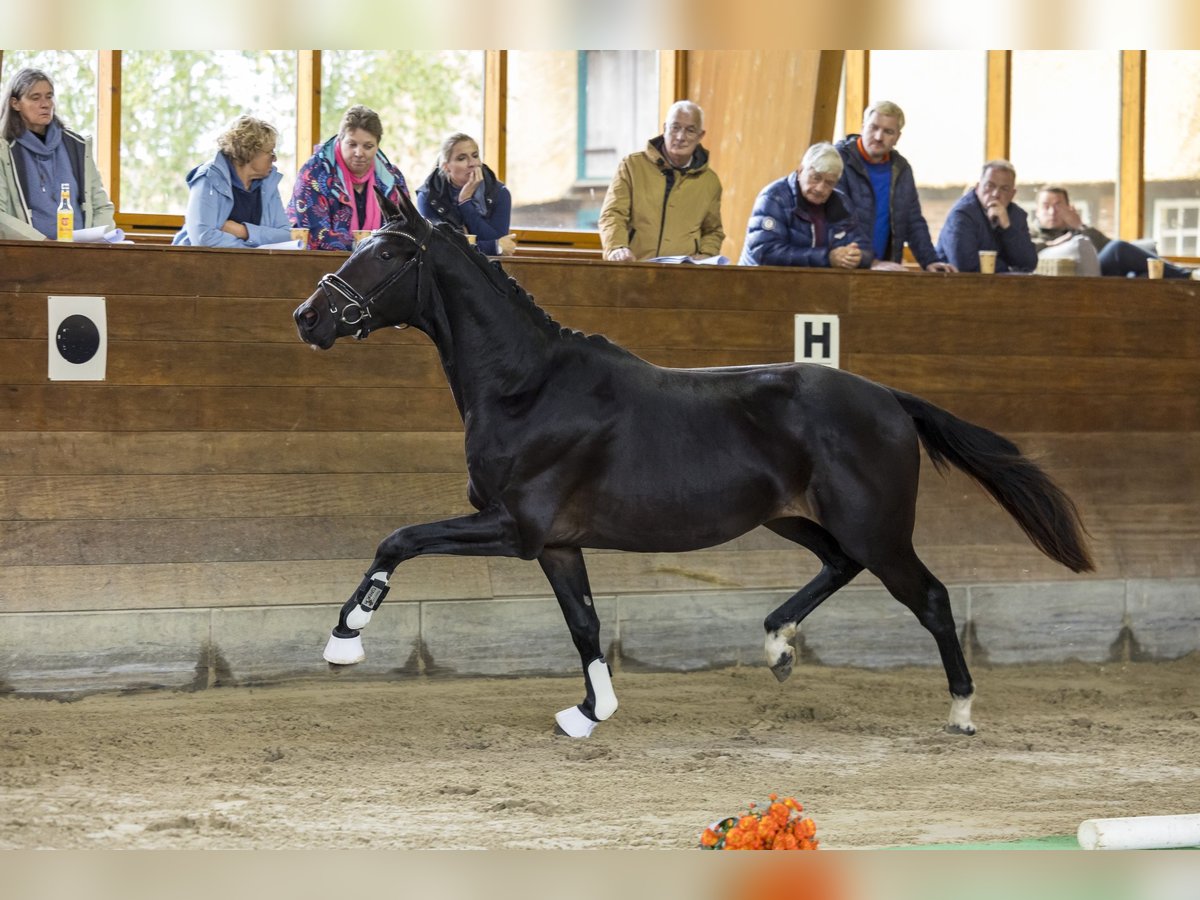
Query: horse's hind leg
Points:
[907, 579]
[837, 569]
[567, 575]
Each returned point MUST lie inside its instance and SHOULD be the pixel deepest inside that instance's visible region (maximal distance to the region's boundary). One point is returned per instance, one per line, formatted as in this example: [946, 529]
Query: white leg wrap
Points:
[960, 714]
[344, 651]
[358, 618]
[606, 700]
[574, 723]
[779, 643]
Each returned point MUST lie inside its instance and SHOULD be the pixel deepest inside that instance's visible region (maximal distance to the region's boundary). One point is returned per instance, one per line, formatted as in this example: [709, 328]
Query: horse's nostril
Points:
[308, 317]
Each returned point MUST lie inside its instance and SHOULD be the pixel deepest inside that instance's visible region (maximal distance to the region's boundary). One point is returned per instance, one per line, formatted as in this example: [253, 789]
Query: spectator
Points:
[665, 200]
[883, 193]
[986, 218]
[38, 155]
[234, 199]
[802, 220]
[463, 191]
[1057, 221]
[334, 193]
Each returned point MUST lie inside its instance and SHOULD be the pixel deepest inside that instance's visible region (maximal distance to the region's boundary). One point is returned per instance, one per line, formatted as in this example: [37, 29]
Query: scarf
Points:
[374, 218]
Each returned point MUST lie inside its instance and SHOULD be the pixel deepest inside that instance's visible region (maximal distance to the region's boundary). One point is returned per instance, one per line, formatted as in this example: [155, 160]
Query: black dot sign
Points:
[78, 339]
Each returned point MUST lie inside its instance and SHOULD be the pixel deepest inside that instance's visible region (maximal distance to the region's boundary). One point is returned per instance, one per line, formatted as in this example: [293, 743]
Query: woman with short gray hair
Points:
[801, 220]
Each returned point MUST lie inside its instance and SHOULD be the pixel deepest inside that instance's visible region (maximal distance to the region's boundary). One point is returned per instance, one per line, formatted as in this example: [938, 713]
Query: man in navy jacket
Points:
[987, 219]
[883, 193]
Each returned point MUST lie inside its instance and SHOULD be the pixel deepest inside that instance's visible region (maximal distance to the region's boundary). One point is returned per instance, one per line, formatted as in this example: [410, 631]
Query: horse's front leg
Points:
[487, 533]
[567, 575]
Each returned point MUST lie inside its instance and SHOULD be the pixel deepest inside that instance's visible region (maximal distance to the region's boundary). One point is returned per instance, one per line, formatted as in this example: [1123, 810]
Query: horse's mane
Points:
[506, 285]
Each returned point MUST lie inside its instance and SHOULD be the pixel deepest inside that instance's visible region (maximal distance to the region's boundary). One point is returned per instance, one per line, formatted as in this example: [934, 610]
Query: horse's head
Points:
[378, 285]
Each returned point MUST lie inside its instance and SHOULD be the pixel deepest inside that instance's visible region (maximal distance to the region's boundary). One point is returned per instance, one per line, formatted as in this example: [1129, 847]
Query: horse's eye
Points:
[385, 254]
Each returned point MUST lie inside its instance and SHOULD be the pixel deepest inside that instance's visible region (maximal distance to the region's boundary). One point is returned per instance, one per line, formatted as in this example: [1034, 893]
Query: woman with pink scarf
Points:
[334, 193]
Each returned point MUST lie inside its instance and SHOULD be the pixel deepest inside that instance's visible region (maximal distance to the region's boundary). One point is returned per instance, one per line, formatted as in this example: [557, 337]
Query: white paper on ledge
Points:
[281, 245]
[99, 234]
[705, 261]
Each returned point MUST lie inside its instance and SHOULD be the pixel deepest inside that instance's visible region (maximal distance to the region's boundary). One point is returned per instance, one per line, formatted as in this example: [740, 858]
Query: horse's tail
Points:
[1046, 514]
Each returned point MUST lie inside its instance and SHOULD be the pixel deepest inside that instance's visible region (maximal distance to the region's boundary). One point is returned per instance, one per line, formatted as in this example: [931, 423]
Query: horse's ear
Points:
[389, 209]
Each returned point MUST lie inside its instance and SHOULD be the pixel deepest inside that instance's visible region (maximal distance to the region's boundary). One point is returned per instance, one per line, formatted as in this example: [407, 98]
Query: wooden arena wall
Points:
[198, 517]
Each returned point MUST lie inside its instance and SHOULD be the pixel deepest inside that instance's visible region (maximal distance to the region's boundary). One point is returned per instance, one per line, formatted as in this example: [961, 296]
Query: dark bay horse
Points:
[572, 442]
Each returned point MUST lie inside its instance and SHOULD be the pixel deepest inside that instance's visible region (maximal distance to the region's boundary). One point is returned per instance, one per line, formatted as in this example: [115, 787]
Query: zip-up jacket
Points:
[211, 201]
[781, 233]
[655, 209]
[908, 224]
[15, 218]
[437, 200]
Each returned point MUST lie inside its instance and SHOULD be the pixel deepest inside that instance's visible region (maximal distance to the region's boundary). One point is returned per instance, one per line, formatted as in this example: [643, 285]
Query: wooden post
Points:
[495, 111]
[108, 123]
[308, 103]
[1131, 186]
[999, 104]
[858, 86]
[829, 84]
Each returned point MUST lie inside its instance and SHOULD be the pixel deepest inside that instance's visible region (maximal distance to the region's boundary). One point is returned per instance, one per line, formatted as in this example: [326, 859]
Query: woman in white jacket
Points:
[38, 154]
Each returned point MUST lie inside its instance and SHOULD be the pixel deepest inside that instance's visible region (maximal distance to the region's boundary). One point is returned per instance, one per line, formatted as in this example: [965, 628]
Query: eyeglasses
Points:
[677, 129]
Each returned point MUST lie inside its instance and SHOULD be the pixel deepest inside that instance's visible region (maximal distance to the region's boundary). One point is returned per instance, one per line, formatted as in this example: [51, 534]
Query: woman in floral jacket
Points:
[334, 193]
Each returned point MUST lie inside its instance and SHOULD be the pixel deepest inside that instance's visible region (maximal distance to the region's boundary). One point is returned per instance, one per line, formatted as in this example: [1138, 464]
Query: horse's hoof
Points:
[950, 728]
[344, 651]
[782, 667]
[573, 723]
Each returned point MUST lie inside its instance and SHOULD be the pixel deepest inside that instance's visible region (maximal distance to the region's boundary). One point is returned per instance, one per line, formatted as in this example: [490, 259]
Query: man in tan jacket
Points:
[665, 200]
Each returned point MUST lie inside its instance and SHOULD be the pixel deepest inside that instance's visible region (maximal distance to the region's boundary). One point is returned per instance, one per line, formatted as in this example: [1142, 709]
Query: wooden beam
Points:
[858, 86]
[308, 103]
[672, 80]
[1131, 203]
[108, 123]
[999, 104]
[495, 111]
[829, 85]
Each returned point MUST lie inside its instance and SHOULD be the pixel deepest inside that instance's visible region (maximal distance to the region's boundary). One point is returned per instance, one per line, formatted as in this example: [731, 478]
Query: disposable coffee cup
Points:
[987, 262]
[471, 239]
[301, 235]
[1154, 268]
[360, 236]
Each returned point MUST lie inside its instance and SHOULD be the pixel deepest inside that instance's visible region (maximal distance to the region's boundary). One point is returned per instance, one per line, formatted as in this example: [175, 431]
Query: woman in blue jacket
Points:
[800, 220]
[234, 199]
[463, 191]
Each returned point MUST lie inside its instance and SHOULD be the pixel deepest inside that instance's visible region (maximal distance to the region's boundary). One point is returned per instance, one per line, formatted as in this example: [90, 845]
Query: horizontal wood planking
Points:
[221, 584]
[36, 497]
[233, 452]
[86, 406]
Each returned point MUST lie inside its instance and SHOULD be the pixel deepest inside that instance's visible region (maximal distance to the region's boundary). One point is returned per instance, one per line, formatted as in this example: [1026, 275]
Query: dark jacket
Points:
[437, 200]
[967, 231]
[908, 223]
[780, 231]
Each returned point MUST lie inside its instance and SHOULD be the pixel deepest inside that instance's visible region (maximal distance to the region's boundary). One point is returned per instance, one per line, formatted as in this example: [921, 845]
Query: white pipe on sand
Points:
[1140, 833]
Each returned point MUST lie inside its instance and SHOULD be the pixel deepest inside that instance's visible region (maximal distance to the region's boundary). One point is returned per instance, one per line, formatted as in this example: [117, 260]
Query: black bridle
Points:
[356, 308]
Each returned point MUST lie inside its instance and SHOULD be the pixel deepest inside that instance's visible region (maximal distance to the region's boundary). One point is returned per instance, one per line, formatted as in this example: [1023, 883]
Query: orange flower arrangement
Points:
[779, 827]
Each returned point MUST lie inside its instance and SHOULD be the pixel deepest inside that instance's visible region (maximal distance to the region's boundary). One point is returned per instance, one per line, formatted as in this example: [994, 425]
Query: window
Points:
[619, 108]
[1177, 227]
[944, 129]
[1066, 128]
[1172, 161]
[422, 97]
[572, 116]
[174, 105]
[74, 75]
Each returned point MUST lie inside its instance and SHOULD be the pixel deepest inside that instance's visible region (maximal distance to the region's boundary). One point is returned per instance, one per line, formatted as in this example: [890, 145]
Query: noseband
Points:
[357, 309]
